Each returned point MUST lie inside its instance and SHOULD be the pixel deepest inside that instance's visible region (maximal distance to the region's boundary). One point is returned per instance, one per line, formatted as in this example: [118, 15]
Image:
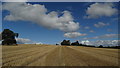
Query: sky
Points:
[52, 22]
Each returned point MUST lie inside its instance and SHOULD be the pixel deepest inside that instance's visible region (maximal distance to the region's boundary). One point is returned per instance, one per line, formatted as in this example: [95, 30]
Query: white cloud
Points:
[73, 34]
[104, 36]
[101, 24]
[26, 41]
[97, 10]
[86, 42]
[23, 41]
[38, 14]
[102, 42]
[38, 43]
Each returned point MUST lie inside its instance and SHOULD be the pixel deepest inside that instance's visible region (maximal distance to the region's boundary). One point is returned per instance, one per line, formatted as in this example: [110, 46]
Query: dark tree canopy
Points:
[101, 46]
[75, 43]
[65, 42]
[8, 37]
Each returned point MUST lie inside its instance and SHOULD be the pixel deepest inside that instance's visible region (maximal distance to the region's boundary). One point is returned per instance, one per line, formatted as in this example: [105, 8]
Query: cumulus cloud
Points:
[39, 14]
[102, 42]
[101, 24]
[97, 10]
[23, 41]
[104, 36]
[86, 42]
[38, 43]
[26, 41]
[73, 34]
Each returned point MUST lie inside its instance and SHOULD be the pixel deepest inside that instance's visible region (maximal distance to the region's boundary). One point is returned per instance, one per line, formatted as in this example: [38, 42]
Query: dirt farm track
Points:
[50, 55]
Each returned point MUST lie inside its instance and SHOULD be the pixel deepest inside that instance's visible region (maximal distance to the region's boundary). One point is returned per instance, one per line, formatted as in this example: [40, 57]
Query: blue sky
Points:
[94, 23]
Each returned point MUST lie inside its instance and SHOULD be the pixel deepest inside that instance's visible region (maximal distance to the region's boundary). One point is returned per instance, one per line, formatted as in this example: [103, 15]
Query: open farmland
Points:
[50, 55]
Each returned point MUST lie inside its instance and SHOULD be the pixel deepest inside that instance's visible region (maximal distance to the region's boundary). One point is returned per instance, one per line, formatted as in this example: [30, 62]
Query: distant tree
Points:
[90, 45]
[57, 44]
[100, 46]
[75, 43]
[8, 37]
[65, 42]
[118, 47]
[108, 46]
[81, 44]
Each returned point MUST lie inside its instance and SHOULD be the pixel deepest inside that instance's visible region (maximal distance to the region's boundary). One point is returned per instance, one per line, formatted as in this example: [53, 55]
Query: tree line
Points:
[76, 43]
[8, 38]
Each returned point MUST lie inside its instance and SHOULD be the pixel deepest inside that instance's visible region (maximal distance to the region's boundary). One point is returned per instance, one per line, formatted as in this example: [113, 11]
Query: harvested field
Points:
[50, 55]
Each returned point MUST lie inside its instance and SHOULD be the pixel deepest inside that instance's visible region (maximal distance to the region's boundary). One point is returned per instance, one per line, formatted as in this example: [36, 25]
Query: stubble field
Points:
[50, 55]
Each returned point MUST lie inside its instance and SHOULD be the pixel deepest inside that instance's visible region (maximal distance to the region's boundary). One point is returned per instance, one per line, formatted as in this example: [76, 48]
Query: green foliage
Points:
[8, 37]
[100, 46]
[65, 42]
[75, 43]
